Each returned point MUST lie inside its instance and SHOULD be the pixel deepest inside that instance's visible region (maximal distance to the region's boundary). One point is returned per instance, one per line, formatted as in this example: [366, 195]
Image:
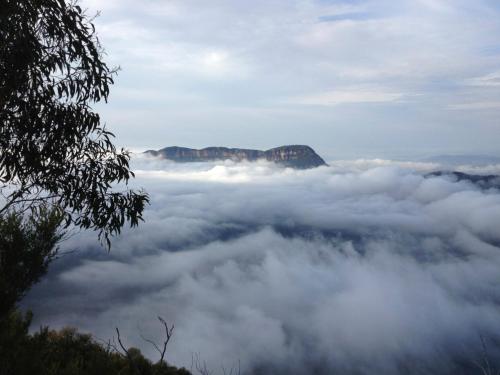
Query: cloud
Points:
[323, 53]
[475, 106]
[350, 96]
[489, 80]
[362, 267]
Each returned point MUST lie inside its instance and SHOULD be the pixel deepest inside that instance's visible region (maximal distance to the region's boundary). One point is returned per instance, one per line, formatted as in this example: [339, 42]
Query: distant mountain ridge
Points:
[294, 156]
[483, 181]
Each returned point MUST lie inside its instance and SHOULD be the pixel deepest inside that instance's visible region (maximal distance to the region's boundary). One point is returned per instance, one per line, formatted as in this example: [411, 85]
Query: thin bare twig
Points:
[484, 364]
[198, 366]
[127, 353]
[169, 332]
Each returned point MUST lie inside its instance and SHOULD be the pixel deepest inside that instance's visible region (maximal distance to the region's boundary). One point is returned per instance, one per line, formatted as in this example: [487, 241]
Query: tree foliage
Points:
[28, 243]
[27, 246]
[53, 147]
[67, 352]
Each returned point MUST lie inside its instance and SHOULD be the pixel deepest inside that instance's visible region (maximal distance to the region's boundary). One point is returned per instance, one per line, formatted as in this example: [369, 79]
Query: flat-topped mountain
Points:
[295, 156]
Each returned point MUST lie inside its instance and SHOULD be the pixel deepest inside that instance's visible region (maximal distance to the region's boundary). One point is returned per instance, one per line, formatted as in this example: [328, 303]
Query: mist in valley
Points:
[362, 267]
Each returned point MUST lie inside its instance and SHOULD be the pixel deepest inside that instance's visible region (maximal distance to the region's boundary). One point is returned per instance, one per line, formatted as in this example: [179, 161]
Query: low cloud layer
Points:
[362, 267]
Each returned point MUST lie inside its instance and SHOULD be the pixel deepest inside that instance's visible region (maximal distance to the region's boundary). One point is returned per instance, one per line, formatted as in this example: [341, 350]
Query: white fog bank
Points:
[362, 267]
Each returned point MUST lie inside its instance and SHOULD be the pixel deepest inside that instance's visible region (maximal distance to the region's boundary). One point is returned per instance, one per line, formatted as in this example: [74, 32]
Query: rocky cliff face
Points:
[295, 156]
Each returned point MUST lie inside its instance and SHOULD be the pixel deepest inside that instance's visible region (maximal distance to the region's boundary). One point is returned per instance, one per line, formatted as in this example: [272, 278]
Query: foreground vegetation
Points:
[59, 169]
[67, 352]
[28, 244]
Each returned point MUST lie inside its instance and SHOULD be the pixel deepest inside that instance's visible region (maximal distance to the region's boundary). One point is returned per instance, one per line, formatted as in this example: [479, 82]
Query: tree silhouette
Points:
[27, 246]
[53, 148]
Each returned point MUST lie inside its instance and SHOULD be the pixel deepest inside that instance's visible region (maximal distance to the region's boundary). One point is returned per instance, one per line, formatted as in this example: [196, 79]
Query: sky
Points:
[353, 78]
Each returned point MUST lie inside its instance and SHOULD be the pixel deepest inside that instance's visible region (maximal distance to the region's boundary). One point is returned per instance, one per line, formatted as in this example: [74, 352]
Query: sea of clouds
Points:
[361, 267]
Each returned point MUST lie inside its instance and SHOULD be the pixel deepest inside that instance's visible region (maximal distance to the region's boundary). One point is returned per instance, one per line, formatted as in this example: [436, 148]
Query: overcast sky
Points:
[374, 78]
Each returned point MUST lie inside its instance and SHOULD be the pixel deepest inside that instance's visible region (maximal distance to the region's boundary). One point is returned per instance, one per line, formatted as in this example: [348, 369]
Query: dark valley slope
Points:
[482, 181]
[295, 156]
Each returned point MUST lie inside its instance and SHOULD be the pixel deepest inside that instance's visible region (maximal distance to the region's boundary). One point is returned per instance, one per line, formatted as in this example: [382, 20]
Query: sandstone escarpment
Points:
[295, 156]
